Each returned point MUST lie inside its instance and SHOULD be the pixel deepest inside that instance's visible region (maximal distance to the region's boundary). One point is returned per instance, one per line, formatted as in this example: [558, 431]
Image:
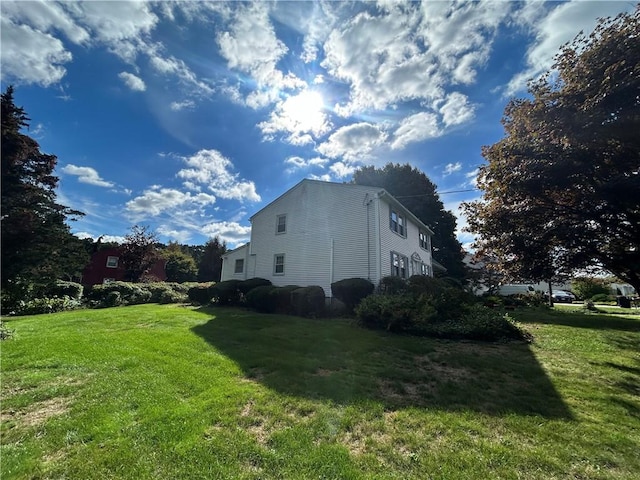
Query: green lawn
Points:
[169, 392]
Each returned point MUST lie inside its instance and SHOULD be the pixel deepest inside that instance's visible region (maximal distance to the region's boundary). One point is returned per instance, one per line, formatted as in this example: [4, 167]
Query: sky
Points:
[189, 117]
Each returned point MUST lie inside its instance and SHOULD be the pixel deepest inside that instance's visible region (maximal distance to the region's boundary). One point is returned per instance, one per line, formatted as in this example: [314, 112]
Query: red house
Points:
[105, 267]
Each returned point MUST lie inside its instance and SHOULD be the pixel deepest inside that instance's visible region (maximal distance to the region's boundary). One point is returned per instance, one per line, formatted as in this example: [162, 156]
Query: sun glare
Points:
[304, 107]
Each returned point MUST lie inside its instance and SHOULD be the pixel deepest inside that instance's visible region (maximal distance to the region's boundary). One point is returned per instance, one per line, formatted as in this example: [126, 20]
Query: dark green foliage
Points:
[38, 306]
[157, 290]
[245, 286]
[129, 294]
[587, 287]
[180, 267]
[210, 264]
[351, 291]
[603, 298]
[392, 285]
[63, 288]
[392, 312]
[417, 193]
[171, 296]
[308, 301]
[263, 299]
[283, 298]
[37, 246]
[200, 294]
[226, 293]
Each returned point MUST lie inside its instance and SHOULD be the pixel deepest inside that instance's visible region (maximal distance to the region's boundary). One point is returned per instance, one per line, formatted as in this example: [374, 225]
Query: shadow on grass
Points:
[577, 319]
[335, 360]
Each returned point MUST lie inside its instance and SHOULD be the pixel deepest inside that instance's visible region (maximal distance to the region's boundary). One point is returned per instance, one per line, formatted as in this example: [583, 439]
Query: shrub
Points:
[130, 293]
[394, 313]
[283, 298]
[5, 333]
[587, 287]
[263, 299]
[226, 293]
[62, 288]
[171, 296]
[351, 291]
[112, 299]
[603, 298]
[308, 301]
[200, 293]
[479, 323]
[392, 285]
[46, 305]
[246, 286]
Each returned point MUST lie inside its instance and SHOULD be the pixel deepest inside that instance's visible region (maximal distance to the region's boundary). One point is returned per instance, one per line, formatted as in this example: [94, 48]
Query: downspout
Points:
[367, 202]
[378, 243]
[331, 269]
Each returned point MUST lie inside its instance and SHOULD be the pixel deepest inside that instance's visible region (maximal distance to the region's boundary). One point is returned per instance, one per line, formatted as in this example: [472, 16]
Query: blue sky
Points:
[189, 117]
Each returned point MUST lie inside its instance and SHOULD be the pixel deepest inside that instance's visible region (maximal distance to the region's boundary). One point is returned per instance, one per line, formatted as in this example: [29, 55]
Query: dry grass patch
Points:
[38, 413]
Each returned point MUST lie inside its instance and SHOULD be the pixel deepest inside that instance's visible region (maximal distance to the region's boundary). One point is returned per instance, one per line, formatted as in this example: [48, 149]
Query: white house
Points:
[320, 232]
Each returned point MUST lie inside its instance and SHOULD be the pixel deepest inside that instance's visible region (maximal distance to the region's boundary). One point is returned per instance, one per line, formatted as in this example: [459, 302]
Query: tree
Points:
[210, 266]
[37, 246]
[181, 267]
[139, 252]
[561, 190]
[418, 194]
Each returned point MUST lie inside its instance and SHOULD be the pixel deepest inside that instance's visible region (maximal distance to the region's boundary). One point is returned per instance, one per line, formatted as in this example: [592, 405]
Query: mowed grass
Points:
[169, 392]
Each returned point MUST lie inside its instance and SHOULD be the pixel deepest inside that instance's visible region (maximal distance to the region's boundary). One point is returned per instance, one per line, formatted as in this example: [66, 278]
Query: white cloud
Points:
[452, 168]
[157, 200]
[353, 142]
[456, 109]
[134, 83]
[416, 128]
[211, 169]
[104, 238]
[86, 175]
[184, 105]
[180, 236]
[231, 232]
[555, 29]
[250, 45]
[472, 178]
[31, 56]
[341, 170]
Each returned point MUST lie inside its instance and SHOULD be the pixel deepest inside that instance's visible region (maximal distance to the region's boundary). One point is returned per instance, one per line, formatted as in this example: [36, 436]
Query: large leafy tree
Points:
[37, 246]
[210, 265]
[139, 252]
[418, 194]
[181, 267]
[562, 189]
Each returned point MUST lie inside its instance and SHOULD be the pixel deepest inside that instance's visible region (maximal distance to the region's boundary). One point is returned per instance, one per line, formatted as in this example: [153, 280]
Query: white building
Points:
[320, 232]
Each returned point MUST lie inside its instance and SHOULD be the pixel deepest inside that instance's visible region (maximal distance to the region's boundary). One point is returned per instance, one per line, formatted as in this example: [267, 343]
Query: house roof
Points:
[381, 192]
[225, 254]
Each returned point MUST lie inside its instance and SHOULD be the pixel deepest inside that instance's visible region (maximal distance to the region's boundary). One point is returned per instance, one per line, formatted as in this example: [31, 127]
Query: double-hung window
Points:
[424, 270]
[112, 262]
[281, 224]
[399, 264]
[397, 223]
[425, 241]
[278, 264]
[239, 266]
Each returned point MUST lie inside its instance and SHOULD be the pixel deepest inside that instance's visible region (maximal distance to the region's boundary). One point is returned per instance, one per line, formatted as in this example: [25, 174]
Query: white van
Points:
[514, 288]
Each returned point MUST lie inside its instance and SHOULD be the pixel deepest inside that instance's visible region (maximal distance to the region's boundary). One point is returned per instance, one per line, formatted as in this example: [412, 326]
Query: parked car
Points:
[562, 296]
[514, 289]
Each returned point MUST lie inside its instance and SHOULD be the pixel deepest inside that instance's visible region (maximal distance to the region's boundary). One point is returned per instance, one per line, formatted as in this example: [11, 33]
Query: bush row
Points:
[433, 307]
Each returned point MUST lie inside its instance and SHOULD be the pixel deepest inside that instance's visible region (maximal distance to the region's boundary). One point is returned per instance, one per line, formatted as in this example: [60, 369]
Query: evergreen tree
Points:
[417, 193]
[210, 266]
[37, 246]
[181, 267]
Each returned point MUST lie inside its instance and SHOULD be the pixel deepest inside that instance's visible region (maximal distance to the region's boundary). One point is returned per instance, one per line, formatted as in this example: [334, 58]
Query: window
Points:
[397, 222]
[425, 241]
[281, 224]
[239, 267]
[112, 262]
[425, 270]
[399, 265]
[278, 264]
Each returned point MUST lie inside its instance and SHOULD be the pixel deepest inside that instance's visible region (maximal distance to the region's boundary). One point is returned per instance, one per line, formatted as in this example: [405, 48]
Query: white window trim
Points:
[426, 248]
[235, 266]
[278, 217]
[116, 260]
[401, 223]
[402, 258]
[275, 259]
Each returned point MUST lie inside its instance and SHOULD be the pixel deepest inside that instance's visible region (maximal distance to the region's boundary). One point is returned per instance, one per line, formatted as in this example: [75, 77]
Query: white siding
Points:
[229, 263]
[408, 246]
[330, 234]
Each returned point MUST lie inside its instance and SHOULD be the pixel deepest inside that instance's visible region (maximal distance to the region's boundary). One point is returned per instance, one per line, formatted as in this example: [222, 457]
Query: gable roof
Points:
[381, 192]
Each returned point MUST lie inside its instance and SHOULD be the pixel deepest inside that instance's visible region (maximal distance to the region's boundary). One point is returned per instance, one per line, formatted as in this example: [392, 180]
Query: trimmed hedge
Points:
[263, 299]
[226, 293]
[200, 294]
[245, 286]
[308, 301]
[64, 289]
[351, 291]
